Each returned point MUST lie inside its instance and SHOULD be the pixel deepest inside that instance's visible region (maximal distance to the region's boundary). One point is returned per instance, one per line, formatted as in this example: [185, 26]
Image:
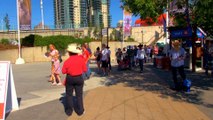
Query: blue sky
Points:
[9, 6]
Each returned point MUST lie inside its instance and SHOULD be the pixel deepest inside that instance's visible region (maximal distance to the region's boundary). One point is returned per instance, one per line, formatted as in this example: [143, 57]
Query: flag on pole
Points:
[25, 14]
[127, 21]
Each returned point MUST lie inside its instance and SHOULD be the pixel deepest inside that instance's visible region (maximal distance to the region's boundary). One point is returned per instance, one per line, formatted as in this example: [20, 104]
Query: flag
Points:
[127, 21]
[24, 14]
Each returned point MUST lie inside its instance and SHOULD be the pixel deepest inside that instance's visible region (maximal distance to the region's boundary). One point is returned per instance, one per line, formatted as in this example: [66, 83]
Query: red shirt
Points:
[86, 55]
[74, 65]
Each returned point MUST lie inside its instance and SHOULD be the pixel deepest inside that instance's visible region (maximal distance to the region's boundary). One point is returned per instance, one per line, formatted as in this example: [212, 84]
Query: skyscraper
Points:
[81, 13]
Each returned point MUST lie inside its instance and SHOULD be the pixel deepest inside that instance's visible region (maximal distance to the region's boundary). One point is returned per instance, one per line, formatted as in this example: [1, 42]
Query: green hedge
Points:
[60, 41]
[5, 41]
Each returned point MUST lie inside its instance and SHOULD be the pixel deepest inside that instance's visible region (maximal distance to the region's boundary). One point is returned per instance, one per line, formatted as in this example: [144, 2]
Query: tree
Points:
[201, 11]
[96, 32]
[89, 29]
[145, 8]
[7, 22]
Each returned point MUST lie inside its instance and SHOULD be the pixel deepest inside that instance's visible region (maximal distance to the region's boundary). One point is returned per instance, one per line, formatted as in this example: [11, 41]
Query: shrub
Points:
[29, 40]
[5, 41]
[60, 41]
[130, 39]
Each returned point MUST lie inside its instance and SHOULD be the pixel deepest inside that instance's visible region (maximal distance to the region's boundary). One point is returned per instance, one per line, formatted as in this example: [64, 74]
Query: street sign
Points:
[180, 33]
[8, 97]
[104, 31]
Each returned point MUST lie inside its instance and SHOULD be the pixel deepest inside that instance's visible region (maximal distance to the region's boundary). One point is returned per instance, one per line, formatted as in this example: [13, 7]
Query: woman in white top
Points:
[140, 56]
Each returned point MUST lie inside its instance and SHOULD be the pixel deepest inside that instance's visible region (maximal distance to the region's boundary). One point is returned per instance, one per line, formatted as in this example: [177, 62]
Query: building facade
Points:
[81, 13]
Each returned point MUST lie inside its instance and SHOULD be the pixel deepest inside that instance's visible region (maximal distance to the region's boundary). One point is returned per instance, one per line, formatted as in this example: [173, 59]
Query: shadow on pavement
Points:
[159, 81]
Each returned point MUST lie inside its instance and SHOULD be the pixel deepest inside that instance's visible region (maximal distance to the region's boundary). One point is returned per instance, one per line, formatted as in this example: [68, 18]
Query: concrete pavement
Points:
[121, 96]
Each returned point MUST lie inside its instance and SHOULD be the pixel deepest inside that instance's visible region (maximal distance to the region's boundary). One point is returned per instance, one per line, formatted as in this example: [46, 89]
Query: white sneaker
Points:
[59, 84]
[54, 84]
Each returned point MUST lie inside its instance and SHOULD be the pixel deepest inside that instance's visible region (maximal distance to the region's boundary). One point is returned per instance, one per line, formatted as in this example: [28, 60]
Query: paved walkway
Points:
[125, 95]
[119, 102]
[130, 95]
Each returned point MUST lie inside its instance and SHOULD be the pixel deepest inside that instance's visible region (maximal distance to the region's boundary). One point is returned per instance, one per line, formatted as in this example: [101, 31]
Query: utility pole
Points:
[167, 25]
[19, 60]
[142, 36]
[42, 13]
[107, 36]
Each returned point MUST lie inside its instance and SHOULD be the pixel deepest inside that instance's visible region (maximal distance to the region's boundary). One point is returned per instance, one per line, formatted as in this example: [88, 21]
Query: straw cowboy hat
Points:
[73, 49]
[176, 43]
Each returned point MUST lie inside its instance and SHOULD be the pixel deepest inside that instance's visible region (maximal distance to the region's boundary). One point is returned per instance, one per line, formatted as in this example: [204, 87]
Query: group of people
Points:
[133, 56]
[76, 68]
[103, 59]
[138, 55]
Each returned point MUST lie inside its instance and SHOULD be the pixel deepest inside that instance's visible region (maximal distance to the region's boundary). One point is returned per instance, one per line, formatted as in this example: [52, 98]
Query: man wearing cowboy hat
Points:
[74, 67]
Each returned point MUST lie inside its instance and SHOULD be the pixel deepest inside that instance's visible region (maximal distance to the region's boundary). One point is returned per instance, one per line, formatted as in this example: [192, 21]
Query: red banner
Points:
[24, 14]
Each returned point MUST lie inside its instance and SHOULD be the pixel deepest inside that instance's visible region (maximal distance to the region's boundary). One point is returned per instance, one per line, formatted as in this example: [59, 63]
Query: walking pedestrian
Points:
[141, 56]
[130, 56]
[98, 58]
[209, 58]
[56, 72]
[53, 54]
[104, 60]
[86, 54]
[135, 55]
[109, 54]
[118, 55]
[177, 56]
[74, 67]
[148, 53]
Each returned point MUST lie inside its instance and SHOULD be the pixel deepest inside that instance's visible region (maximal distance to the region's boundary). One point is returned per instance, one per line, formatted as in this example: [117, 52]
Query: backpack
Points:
[60, 58]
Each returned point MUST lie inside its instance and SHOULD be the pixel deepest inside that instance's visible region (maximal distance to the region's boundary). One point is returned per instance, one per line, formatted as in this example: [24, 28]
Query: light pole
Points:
[42, 13]
[167, 25]
[142, 36]
[19, 60]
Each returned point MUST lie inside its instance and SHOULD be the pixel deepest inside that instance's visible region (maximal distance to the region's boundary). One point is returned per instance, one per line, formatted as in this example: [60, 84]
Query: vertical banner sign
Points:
[24, 14]
[127, 21]
[8, 97]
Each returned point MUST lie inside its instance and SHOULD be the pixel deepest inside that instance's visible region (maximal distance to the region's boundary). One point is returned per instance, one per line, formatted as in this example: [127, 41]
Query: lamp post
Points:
[19, 60]
[142, 36]
[167, 25]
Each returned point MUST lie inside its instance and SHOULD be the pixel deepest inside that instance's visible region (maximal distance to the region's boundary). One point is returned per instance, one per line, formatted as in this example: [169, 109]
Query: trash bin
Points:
[159, 61]
[166, 63]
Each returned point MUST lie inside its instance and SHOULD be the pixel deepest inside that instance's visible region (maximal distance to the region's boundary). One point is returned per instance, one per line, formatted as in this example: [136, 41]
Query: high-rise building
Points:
[99, 14]
[81, 13]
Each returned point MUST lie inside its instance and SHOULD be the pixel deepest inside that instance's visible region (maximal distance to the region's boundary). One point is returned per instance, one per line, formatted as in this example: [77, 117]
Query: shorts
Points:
[104, 64]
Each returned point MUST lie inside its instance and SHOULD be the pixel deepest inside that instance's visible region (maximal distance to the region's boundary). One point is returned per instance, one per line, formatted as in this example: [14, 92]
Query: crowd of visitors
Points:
[77, 69]
[132, 56]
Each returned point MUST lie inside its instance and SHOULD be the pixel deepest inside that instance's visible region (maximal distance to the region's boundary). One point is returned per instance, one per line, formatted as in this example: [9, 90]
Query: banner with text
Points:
[127, 21]
[4, 69]
[8, 97]
[25, 14]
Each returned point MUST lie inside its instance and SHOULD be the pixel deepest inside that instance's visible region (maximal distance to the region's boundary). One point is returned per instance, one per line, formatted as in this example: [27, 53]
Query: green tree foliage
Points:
[60, 41]
[7, 22]
[201, 11]
[203, 15]
[5, 41]
[145, 8]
